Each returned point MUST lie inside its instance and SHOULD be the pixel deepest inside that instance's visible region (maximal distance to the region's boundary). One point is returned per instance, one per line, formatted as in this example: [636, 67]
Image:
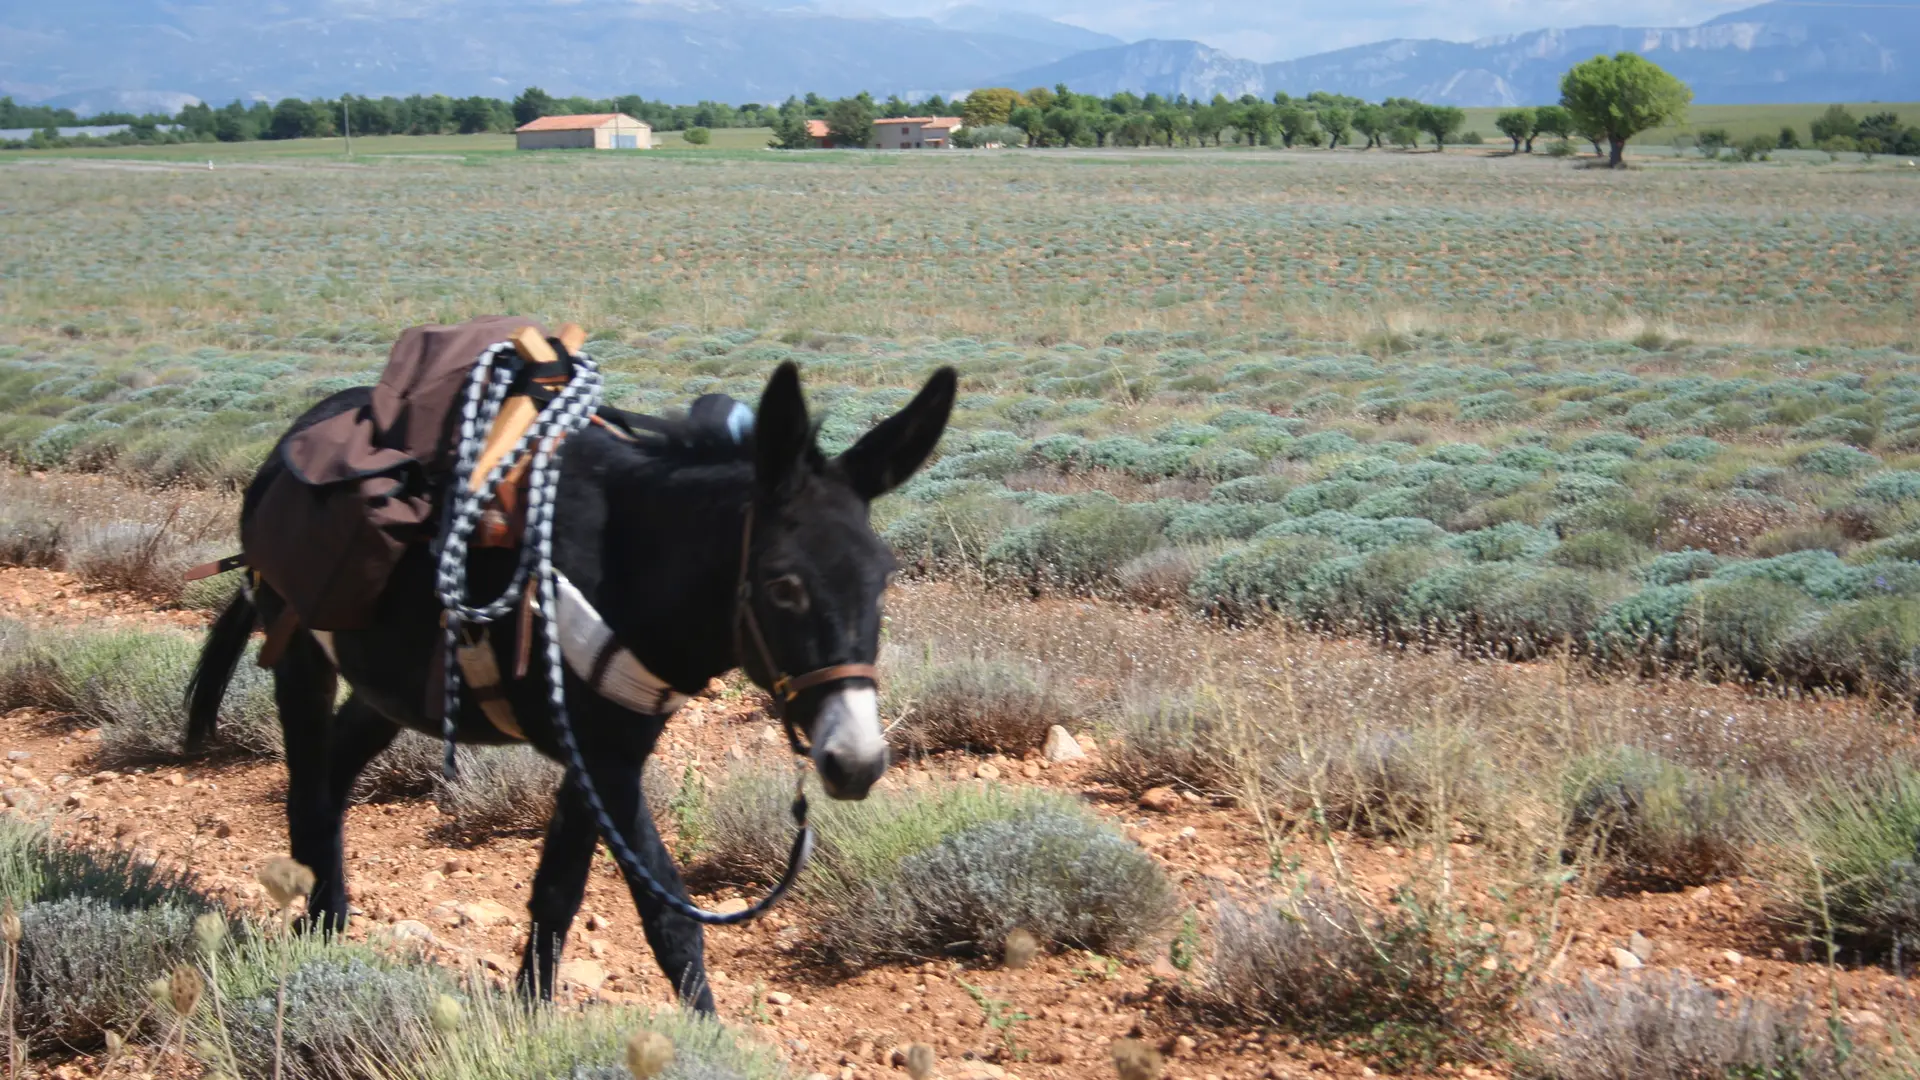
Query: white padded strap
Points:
[607, 666]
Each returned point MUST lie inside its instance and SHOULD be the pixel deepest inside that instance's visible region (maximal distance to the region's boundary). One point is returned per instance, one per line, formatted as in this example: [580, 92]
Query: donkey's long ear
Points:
[884, 457]
[781, 435]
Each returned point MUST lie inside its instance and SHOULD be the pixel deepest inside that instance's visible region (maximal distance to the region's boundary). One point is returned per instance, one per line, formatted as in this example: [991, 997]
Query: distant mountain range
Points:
[120, 54]
[1776, 52]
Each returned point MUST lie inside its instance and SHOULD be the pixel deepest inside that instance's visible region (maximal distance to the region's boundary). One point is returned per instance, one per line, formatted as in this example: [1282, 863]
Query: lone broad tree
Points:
[1621, 96]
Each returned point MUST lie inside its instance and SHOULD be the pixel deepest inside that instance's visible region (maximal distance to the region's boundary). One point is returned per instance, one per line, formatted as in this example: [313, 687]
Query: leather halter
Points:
[784, 688]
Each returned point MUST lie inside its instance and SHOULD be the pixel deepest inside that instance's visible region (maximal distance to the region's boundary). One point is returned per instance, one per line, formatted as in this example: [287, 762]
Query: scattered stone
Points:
[1732, 958]
[777, 997]
[770, 735]
[1700, 895]
[1030, 770]
[105, 777]
[19, 755]
[1189, 834]
[1623, 959]
[177, 780]
[1061, 745]
[24, 801]
[1020, 950]
[596, 924]
[986, 771]
[78, 801]
[1135, 1060]
[411, 930]
[731, 907]
[493, 961]
[588, 975]
[1640, 946]
[452, 866]
[1225, 874]
[1160, 800]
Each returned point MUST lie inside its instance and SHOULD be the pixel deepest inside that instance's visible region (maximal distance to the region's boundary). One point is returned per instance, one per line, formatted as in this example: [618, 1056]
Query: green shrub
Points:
[1661, 822]
[1664, 1025]
[1510, 541]
[1201, 523]
[1675, 567]
[952, 533]
[1819, 574]
[1835, 460]
[1532, 613]
[1601, 549]
[1078, 550]
[972, 704]
[950, 870]
[1871, 644]
[1166, 740]
[1691, 448]
[1822, 536]
[1744, 623]
[130, 684]
[502, 789]
[1857, 882]
[1658, 623]
[1262, 577]
[1896, 486]
[1251, 489]
[85, 963]
[1410, 986]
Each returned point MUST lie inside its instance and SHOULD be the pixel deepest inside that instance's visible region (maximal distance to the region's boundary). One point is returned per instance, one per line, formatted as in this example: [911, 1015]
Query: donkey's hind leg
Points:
[324, 754]
[558, 885]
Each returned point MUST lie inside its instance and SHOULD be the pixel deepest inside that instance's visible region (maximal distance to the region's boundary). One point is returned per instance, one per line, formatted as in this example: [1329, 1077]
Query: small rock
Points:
[19, 755]
[25, 801]
[78, 801]
[1700, 895]
[1061, 745]
[105, 777]
[452, 866]
[778, 997]
[986, 771]
[596, 923]
[493, 961]
[1223, 873]
[1185, 1044]
[1189, 834]
[1030, 770]
[769, 735]
[1623, 959]
[1732, 958]
[597, 947]
[1865, 1018]
[1160, 800]
[222, 830]
[731, 907]
[1640, 946]
[818, 1076]
[411, 930]
[177, 780]
[485, 913]
[585, 974]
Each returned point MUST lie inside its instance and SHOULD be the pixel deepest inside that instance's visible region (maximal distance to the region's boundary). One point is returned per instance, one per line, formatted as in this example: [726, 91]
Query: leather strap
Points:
[794, 687]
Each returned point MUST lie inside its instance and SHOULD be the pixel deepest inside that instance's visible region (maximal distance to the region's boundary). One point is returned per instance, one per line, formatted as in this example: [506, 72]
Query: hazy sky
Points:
[1280, 29]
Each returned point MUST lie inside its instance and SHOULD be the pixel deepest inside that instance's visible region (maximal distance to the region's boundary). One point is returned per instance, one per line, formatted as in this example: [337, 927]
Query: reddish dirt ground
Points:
[223, 821]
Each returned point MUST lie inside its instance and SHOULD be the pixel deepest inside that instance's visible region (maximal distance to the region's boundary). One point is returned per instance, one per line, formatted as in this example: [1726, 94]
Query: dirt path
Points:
[408, 874]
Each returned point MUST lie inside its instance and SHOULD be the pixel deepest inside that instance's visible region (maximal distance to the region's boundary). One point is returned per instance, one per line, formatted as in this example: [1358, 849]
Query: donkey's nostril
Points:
[846, 776]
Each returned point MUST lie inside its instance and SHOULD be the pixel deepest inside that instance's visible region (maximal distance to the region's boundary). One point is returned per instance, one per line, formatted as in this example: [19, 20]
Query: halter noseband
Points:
[782, 687]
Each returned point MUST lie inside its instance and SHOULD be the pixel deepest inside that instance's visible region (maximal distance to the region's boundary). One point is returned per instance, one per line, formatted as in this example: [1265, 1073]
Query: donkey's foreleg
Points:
[678, 943]
[558, 885]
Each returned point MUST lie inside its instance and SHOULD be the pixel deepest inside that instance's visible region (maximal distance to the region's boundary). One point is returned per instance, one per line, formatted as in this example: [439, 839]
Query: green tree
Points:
[230, 124]
[1621, 96]
[1439, 121]
[473, 114]
[1552, 120]
[1209, 121]
[1296, 124]
[790, 131]
[992, 105]
[294, 119]
[1517, 124]
[1712, 141]
[1835, 123]
[1336, 121]
[1371, 122]
[532, 104]
[1789, 138]
[697, 136]
[1032, 120]
[850, 121]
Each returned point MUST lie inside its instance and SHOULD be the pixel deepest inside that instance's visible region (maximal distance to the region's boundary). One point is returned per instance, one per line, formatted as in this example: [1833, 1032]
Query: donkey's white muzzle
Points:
[849, 749]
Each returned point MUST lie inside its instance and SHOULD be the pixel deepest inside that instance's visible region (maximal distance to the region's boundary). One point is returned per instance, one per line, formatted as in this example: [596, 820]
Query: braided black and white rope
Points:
[569, 411]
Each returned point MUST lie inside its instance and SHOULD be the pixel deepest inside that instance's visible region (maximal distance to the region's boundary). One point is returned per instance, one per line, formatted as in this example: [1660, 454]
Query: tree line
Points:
[1606, 101]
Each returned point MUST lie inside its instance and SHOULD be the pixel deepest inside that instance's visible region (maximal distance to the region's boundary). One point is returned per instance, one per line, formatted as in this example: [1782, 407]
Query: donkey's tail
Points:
[226, 643]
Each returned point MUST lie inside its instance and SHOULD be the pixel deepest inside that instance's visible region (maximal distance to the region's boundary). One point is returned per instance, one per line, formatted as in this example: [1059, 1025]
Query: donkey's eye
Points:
[786, 591]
